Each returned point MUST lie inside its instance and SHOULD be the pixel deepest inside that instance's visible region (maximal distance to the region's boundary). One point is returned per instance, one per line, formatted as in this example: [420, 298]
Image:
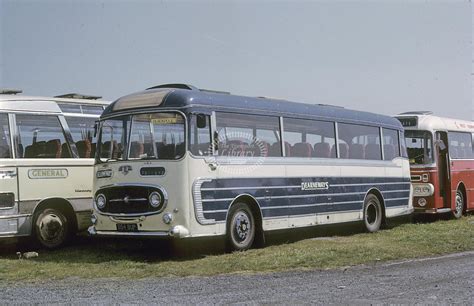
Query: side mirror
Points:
[96, 127]
[201, 121]
[440, 144]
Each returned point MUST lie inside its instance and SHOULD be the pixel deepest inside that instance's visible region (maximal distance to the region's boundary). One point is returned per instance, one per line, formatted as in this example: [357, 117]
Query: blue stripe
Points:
[285, 197]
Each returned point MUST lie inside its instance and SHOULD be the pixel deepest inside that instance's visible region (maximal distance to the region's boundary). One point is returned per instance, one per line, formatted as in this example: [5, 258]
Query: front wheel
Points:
[51, 228]
[459, 202]
[240, 227]
[372, 213]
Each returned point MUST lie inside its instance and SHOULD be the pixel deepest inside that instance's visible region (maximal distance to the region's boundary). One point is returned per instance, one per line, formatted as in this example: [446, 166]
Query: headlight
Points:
[155, 199]
[167, 218]
[100, 201]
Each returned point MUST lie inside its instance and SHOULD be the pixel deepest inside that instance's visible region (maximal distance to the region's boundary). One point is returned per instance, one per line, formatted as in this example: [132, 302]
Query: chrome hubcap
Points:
[242, 226]
[50, 227]
[459, 203]
[371, 213]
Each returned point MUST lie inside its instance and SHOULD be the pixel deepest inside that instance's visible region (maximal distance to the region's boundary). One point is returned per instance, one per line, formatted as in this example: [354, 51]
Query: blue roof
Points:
[207, 101]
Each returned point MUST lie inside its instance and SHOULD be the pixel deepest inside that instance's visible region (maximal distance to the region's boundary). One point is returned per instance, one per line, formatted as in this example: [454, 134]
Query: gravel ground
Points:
[442, 280]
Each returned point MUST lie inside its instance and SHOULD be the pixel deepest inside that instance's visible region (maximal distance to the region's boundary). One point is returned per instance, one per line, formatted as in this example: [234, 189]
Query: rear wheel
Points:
[459, 204]
[372, 213]
[51, 228]
[240, 227]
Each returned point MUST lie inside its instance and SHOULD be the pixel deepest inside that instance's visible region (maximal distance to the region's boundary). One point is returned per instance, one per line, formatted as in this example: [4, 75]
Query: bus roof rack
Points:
[10, 91]
[78, 96]
[417, 113]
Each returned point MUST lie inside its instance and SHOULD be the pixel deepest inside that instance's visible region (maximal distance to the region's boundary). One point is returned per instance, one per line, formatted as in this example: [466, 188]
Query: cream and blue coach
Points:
[46, 163]
[177, 161]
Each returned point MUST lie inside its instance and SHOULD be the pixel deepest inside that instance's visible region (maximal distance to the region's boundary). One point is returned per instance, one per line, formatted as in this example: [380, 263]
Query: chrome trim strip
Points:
[393, 199]
[311, 205]
[130, 199]
[282, 138]
[15, 216]
[299, 186]
[291, 196]
[336, 135]
[198, 209]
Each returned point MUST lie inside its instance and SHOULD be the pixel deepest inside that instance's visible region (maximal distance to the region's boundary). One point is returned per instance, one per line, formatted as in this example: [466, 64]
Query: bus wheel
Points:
[240, 227]
[372, 213]
[459, 202]
[51, 228]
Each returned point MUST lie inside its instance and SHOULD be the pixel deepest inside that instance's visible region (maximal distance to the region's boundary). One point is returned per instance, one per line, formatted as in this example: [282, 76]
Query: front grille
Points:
[129, 199]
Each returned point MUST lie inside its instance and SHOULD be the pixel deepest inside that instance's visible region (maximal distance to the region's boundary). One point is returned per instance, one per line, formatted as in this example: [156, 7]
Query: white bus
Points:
[47, 146]
[177, 161]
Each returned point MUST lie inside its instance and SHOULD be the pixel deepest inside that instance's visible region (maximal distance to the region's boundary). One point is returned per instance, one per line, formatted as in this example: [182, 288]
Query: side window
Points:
[391, 145]
[200, 135]
[82, 132]
[248, 135]
[41, 137]
[363, 141]
[5, 144]
[460, 145]
[310, 138]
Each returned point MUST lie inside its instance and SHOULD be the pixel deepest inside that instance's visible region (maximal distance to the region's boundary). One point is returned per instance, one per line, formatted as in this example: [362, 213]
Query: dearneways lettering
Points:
[314, 185]
[47, 173]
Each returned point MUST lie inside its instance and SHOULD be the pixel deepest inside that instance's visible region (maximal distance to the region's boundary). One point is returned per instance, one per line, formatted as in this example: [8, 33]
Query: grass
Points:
[105, 259]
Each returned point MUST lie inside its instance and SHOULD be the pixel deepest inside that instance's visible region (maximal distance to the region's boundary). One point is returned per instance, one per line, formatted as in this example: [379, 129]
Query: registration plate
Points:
[127, 227]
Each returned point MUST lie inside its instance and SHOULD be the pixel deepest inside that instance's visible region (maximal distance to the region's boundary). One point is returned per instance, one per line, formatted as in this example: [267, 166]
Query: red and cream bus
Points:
[442, 162]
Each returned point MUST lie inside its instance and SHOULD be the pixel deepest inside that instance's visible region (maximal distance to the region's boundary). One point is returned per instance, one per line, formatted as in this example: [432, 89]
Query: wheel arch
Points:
[60, 204]
[257, 212]
[461, 186]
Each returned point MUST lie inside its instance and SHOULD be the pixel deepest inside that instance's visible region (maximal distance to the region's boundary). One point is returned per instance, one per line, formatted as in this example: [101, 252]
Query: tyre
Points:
[240, 227]
[372, 213]
[459, 204]
[51, 228]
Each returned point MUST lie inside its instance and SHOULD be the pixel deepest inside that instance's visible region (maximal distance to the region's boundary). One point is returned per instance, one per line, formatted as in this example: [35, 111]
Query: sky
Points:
[380, 56]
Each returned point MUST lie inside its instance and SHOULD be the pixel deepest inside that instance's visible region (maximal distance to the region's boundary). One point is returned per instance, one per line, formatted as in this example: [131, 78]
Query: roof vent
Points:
[174, 85]
[78, 96]
[417, 113]
[10, 91]
[187, 87]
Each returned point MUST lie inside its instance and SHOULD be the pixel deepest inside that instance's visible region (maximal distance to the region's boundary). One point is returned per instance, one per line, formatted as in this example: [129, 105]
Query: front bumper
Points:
[176, 231]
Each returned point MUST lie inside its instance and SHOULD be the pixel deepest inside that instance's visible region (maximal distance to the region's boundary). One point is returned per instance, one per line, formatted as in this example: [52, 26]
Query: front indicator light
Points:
[167, 218]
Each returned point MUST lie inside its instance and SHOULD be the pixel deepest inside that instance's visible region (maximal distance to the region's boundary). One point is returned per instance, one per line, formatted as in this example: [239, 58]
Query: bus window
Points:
[82, 132]
[41, 137]
[363, 141]
[200, 137]
[248, 135]
[419, 147]
[460, 145]
[310, 138]
[391, 145]
[5, 145]
[113, 138]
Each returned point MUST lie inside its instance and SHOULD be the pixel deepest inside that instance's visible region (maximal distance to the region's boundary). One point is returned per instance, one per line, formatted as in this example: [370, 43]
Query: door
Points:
[444, 168]
[8, 181]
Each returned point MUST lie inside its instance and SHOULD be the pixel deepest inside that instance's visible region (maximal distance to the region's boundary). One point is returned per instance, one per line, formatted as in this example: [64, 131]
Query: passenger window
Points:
[82, 132]
[5, 144]
[363, 141]
[460, 145]
[41, 136]
[310, 138]
[391, 145]
[242, 135]
[200, 137]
